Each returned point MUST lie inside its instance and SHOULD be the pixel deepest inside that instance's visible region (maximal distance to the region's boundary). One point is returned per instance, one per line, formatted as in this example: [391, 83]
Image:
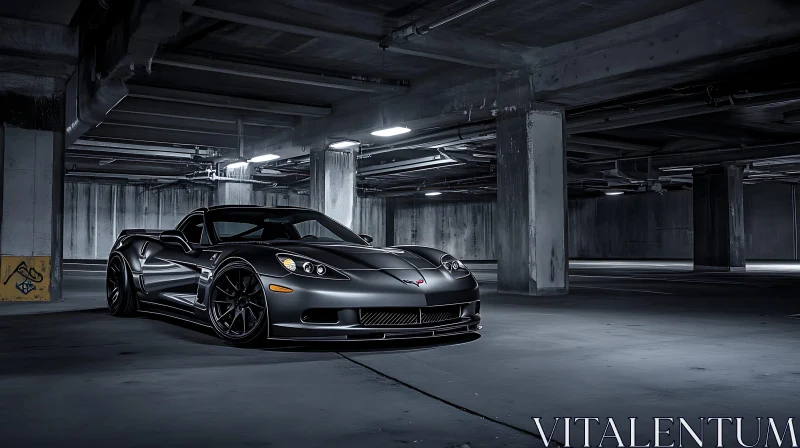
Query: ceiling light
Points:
[389, 132]
[613, 193]
[433, 193]
[236, 165]
[344, 144]
[264, 158]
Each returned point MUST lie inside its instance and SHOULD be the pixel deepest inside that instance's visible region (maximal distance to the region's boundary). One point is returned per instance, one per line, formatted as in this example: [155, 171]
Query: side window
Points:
[192, 229]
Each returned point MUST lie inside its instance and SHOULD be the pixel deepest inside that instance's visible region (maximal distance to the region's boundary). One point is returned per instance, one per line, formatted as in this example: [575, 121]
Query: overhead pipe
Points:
[126, 176]
[457, 130]
[73, 155]
[139, 147]
[90, 97]
[407, 31]
[460, 134]
[87, 108]
[454, 189]
[467, 181]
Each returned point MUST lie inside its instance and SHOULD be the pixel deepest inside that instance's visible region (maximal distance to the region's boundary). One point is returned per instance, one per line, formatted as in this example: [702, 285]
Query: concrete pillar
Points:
[333, 184]
[391, 206]
[531, 200]
[719, 240]
[232, 192]
[32, 192]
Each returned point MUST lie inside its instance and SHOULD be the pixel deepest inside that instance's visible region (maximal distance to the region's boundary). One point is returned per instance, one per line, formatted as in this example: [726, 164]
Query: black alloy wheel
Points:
[120, 296]
[238, 304]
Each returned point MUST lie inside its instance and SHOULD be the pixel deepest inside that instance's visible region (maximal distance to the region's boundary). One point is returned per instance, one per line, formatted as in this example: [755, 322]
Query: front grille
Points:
[387, 317]
[373, 317]
[440, 314]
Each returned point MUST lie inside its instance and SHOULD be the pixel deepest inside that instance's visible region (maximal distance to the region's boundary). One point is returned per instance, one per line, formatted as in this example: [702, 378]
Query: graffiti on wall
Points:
[25, 278]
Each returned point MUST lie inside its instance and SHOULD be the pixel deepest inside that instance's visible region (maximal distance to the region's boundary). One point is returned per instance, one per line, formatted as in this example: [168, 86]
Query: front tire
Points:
[120, 296]
[237, 307]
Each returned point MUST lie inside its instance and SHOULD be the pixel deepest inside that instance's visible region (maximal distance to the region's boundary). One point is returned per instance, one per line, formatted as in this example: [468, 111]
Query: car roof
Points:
[249, 207]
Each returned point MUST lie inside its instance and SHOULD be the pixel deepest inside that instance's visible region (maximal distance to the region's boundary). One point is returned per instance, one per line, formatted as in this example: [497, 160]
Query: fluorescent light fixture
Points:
[236, 165]
[389, 132]
[264, 158]
[344, 144]
[613, 193]
[433, 193]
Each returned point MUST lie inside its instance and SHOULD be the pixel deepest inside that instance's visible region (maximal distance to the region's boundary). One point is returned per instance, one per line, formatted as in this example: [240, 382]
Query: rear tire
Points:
[120, 295]
[237, 305]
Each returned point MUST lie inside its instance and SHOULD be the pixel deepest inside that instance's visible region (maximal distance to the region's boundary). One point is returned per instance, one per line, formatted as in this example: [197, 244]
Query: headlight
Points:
[289, 264]
[454, 267]
[310, 267]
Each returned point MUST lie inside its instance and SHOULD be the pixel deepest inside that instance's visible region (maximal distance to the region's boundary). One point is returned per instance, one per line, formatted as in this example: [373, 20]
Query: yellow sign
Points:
[24, 279]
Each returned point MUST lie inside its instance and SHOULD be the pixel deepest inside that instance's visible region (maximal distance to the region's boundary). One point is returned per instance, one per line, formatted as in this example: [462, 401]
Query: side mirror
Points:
[175, 237]
[367, 238]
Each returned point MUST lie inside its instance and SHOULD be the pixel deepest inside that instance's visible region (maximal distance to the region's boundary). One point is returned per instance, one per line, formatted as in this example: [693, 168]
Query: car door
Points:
[169, 271]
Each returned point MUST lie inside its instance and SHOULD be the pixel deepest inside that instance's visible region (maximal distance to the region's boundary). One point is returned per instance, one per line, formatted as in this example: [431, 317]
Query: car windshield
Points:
[271, 224]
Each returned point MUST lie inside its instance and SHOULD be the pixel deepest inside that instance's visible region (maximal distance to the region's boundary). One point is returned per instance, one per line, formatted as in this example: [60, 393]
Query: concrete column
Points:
[391, 206]
[719, 240]
[333, 184]
[232, 192]
[531, 200]
[31, 228]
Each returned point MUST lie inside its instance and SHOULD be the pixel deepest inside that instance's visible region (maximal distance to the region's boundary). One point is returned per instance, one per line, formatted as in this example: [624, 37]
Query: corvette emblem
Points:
[416, 283]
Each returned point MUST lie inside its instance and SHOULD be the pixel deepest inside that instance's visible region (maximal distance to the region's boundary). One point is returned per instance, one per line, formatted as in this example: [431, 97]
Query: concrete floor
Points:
[654, 342]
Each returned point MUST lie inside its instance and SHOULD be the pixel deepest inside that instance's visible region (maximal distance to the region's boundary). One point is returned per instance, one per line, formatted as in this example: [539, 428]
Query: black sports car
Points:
[288, 273]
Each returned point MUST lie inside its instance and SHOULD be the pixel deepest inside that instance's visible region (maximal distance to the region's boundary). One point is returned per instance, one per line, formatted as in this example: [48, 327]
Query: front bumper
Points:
[335, 332]
[344, 301]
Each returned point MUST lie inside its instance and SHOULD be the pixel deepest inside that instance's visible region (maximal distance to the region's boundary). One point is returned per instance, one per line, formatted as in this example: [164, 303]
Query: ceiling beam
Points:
[228, 102]
[585, 149]
[660, 114]
[39, 49]
[792, 117]
[184, 125]
[702, 38]
[441, 46]
[565, 74]
[606, 143]
[144, 134]
[352, 83]
[199, 113]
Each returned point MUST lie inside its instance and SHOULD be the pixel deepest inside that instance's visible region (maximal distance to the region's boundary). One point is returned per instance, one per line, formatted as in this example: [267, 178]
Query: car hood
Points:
[346, 256]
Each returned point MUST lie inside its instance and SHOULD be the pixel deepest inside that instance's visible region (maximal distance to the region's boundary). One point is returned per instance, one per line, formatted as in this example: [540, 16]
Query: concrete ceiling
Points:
[48, 11]
[307, 72]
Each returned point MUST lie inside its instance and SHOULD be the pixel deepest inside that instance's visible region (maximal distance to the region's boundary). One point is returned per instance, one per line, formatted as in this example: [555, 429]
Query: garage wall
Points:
[660, 226]
[648, 226]
[95, 213]
[643, 226]
[465, 230]
[770, 221]
[371, 219]
[370, 213]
